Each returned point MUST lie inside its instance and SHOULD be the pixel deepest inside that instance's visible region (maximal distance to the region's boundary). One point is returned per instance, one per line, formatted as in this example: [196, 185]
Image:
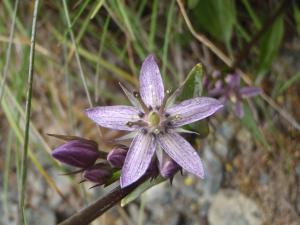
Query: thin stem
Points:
[78, 58]
[27, 117]
[76, 52]
[8, 52]
[100, 206]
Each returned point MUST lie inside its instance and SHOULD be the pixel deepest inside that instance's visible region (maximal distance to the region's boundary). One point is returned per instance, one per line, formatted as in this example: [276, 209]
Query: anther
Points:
[177, 117]
[167, 115]
[163, 105]
[137, 95]
[144, 131]
[141, 114]
[130, 124]
[156, 131]
[150, 108]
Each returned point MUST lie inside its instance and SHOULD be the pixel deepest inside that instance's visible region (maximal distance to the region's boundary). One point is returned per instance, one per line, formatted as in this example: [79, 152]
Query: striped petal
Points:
[114, 117]
[246, 92]
[182, 153]
[138, 158]
[193, 110]
[151, 85]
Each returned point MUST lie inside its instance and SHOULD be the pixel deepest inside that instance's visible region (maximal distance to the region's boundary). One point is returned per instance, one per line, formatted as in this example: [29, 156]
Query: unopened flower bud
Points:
[168, 167]
[116, 156]
[80, 153]
[99, 173]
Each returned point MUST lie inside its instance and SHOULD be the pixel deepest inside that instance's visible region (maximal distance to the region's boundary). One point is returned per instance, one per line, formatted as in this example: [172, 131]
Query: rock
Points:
[42, 215]
[230, 207]
[214, 172]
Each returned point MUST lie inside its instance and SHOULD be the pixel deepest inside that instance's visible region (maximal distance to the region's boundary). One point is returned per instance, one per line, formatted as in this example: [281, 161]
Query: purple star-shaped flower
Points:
[155, 124]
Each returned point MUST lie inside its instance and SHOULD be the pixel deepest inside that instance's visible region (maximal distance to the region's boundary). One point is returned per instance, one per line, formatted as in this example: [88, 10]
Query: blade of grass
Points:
[252, 14]
[82, 8]
[8, 52]
[66, 11]
[153, 25]
[167, 37]
[121, 74]
[288, 83]
[141, 8]
[6, 173]
[102, 40]
[21, 212]
[124, 14]
[97, 8]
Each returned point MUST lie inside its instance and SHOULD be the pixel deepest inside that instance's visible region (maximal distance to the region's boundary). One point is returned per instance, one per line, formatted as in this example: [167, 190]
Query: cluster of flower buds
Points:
[227, 87]
[99, 167]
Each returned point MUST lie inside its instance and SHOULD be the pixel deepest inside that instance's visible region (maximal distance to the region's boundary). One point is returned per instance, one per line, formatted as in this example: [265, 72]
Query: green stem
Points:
[28, 111]
[100, 206]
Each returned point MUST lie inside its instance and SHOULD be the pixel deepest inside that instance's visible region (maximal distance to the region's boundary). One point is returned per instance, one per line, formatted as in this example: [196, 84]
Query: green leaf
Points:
[192, 86]
[217, 17]
[249, 122]
[297, 18]
[141, 189]
[270, 44]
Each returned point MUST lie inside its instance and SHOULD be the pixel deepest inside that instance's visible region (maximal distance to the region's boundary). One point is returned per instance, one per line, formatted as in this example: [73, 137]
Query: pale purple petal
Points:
[151, 85]
[114, 117]
[249, 91]
[239, 110]
[233, 80]
[193, 110]
[182, 153]
[138, 158]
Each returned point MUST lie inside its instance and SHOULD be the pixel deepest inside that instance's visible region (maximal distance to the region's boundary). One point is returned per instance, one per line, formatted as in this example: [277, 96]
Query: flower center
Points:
[154, 119]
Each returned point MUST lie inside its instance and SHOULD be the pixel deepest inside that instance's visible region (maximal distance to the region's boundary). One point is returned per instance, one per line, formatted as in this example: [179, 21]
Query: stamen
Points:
[138, 97]
[163, 105]
[170, 119]
[144, 131]
[139, 123]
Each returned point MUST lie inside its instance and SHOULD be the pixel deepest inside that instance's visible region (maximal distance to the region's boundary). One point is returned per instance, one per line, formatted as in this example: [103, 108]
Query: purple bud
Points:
[80, 153]
[99, 173]
[116, 156]
[168, 167]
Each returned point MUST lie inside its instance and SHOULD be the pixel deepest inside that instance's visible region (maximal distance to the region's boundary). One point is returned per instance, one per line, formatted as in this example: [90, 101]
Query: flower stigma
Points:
[154, 119]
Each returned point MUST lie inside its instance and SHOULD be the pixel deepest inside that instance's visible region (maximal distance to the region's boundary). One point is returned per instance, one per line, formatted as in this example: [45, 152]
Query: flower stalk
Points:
[101, 205]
